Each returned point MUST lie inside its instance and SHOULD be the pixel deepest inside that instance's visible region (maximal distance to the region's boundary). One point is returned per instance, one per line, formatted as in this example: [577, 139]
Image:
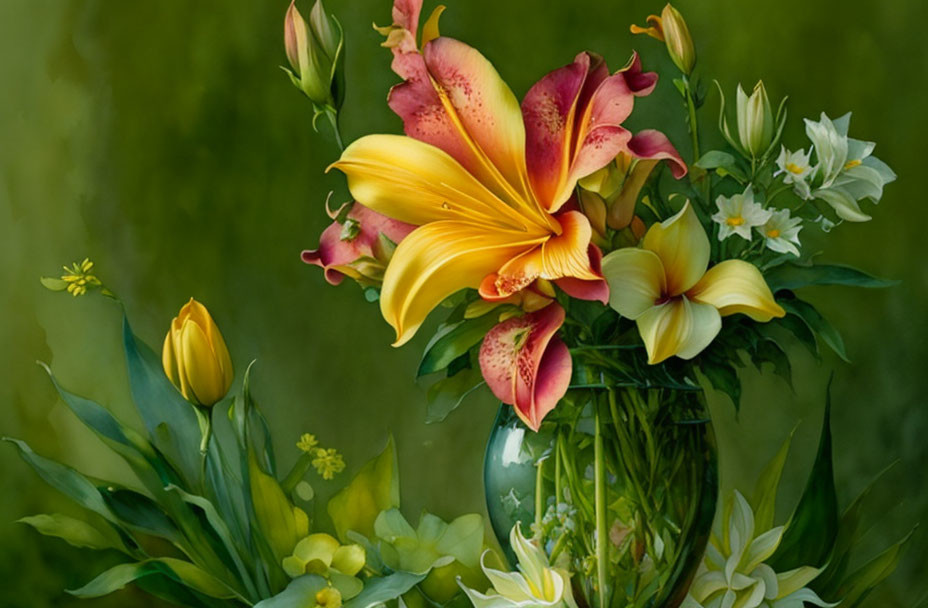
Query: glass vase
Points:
[633, 467]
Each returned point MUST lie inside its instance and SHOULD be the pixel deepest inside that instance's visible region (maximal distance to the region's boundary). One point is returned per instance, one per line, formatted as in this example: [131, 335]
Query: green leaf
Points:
[768, 350]
[714, 159]
[723, 377]
[54, 284]
[75, 532]
[221, 529]
[827, 583]
[298, 593]
[380, 590]
[452, 341]
[861, 582]
[811, 532]
[66, 480]
[433, 544]
[797, 327]
[374, 489]
[447, 394]
[814, 320]
[169, 419]
[278, 521]
[793, 276]
[183, 572]
[765, 491]
[144, 515]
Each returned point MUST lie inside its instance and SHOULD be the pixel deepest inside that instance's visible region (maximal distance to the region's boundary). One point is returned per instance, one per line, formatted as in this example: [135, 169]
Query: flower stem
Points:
[333, 120]
[600, 495]
[539, 492]
[296, 473]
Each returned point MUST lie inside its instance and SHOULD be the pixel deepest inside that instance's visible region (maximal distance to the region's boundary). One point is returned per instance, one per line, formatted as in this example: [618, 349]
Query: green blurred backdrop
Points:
[161, 139]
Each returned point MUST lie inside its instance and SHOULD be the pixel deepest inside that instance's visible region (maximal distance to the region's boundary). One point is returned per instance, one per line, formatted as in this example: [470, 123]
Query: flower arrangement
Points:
[596, 280]
[593, 278]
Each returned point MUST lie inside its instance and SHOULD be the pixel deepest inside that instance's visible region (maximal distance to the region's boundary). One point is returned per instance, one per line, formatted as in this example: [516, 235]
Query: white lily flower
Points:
[738, 214]
[535, 584]
[734, 573]
[796, 169]
[781, 232]
[847, 172]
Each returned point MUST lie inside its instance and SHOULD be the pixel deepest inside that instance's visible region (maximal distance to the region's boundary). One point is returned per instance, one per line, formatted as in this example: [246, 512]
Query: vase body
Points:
[634, 466]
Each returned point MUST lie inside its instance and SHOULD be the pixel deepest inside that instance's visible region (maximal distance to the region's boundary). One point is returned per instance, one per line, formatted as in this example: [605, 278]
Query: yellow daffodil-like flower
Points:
[677, 303]
[321, 554]
[195, 356]
[79, 278]
[535, 584]
[734, 572]
[328, 462]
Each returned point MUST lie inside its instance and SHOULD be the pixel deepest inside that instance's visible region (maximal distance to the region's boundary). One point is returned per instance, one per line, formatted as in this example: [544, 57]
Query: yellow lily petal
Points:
[415, 182]
[683, 247]
[678, 327]
[562, 255]
[430, 29]
[735, 286]
[437, 260]
[636, 280]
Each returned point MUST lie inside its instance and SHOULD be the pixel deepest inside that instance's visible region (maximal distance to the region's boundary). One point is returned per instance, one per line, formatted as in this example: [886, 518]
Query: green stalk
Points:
[557, 472]
[333, 120]
[601, 532]
[296, 473]
[539, 492]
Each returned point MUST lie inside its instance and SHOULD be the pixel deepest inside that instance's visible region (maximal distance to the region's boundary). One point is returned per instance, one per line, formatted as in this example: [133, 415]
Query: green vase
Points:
[634, 466]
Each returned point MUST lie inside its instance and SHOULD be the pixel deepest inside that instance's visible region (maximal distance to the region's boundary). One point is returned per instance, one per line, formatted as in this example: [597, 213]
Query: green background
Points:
[161, 139]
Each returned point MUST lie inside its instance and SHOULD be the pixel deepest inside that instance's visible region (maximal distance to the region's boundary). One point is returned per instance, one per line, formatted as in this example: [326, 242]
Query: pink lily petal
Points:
[526, 365]
[573, 121]
[406, 14]
[335, 254]
[651, 144]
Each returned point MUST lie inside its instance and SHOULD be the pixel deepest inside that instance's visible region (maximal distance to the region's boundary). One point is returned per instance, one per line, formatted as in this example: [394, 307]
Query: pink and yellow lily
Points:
[489, 183]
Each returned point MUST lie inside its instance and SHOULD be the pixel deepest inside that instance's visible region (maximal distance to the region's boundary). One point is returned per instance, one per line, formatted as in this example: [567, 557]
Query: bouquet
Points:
[594, 279]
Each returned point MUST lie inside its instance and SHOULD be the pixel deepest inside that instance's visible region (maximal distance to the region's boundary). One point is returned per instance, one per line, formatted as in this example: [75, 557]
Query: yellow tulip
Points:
[195, 357]
[676, 302]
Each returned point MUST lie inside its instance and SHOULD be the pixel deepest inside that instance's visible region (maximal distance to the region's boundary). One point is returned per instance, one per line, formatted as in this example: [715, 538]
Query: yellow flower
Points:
[328, 462]
[79, 278]
[329, 598]
[307, 443]
[677, 303]
[671, 29]
[195, 356]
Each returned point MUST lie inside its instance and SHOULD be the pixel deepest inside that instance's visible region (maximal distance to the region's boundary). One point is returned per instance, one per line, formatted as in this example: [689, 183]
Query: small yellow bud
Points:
[678, 40]
[195, 357]
[349, 559]
[329, 598]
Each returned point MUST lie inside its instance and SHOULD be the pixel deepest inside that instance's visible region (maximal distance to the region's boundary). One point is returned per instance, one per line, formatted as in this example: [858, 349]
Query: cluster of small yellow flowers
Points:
[79, 278]
[327, 461]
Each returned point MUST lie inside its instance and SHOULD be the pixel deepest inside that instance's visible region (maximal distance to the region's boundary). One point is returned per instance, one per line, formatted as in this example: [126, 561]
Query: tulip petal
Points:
[683, 247]
[584, 289]
[563, 255]
[202, 370]
[735, 286]
[437, 260]
[654, 145]
[636, 280]
[678, 327]
[336, 253]
[526, 365]
[417, 183]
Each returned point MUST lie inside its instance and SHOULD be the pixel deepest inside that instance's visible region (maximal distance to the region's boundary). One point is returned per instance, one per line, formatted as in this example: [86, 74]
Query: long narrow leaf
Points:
[76, 532]
[184, 572]
[793, 276]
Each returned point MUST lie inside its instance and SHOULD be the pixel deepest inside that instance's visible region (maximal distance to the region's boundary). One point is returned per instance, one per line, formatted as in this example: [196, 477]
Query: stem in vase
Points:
[600, 495]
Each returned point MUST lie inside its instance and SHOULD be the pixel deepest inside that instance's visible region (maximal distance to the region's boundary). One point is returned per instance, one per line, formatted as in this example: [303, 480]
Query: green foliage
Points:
[793, 275]
[813, 526]
[226, 517]
[374, 489]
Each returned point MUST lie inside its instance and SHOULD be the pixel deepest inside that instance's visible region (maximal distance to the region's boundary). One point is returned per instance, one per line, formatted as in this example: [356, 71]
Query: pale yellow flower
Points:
[676, 300]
